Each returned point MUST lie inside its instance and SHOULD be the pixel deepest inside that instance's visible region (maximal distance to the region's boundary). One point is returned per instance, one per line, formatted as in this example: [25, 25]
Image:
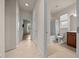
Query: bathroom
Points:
[63, 27]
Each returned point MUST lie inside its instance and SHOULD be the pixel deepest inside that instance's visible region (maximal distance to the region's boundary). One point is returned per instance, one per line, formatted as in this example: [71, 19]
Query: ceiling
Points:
[30, 2]
[58, 5]
[55, 5]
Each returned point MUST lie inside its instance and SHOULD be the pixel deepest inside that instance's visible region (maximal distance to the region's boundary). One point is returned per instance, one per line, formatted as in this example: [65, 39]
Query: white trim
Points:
[45, 28]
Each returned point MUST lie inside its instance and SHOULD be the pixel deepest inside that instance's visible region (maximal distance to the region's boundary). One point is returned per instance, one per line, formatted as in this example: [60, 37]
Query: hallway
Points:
[26, 49]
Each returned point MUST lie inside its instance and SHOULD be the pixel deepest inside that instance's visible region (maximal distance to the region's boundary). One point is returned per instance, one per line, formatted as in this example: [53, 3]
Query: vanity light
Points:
[75, 15]
[26, 4]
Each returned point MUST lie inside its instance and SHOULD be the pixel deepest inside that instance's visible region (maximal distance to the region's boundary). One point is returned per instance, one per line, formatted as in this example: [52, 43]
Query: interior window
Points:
[64, 21]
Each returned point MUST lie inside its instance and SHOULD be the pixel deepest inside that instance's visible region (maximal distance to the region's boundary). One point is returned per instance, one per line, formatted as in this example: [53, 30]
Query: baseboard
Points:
[9, 49]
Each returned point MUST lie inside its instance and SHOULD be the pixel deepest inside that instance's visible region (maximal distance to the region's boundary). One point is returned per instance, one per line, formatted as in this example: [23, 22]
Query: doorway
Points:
[63, 19]
[27, 29]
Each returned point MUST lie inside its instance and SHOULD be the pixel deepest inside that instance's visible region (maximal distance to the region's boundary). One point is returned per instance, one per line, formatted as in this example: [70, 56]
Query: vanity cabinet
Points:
[71, 39]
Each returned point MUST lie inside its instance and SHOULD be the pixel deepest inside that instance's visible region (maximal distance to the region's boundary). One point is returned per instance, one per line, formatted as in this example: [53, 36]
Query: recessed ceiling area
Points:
[58, 5]
[27, 5]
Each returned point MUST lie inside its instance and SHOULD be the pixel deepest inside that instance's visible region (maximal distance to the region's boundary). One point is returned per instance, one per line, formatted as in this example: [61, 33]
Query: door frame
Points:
[47, 32]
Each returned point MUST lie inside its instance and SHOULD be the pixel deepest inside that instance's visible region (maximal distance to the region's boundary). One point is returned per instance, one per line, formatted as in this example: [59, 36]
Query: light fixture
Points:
[26, 4]
[75, 15]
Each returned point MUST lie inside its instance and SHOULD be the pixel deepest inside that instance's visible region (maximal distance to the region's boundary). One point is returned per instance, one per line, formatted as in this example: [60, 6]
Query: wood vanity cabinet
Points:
[71, 39]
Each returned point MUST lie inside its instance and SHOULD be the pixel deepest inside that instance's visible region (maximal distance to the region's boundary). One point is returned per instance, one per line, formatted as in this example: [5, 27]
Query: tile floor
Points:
[56, 50]
[26, 49]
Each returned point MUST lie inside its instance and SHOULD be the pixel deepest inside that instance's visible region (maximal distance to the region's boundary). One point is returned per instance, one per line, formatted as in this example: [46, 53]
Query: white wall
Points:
[49, 21]
[38, 26]
[77, 50]
[21, 29]
[2, 28]
[24, 14]
[17, 23]
[11, 15]
[52, 27]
